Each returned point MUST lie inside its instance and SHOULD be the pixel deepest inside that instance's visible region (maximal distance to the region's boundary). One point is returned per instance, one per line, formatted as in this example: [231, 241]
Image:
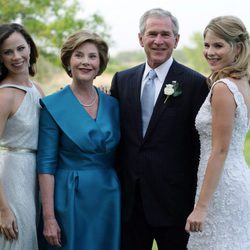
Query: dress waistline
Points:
[18, 150]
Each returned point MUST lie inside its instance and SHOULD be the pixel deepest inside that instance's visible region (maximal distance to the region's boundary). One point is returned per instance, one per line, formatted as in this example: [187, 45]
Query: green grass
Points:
[247, 148]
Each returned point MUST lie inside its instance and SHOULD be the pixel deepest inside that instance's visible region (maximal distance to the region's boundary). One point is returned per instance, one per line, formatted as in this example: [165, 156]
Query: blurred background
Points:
[50, 22]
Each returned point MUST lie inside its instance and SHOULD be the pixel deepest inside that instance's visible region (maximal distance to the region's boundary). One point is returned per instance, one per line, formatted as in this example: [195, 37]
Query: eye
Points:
[93, 56]
[166, 35]
[21, 48]
[78, 55]
[206, 46]
[218, 46]
[152, 34]
[7, 52]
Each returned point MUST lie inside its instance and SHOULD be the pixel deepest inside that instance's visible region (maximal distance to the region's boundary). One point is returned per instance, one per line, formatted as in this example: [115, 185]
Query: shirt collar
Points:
[161, 71]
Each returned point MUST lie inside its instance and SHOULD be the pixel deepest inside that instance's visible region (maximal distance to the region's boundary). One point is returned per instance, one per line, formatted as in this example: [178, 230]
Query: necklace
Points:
[92, 102]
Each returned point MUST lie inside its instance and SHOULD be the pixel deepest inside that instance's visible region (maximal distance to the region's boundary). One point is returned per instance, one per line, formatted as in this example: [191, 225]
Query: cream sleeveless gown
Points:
[18, 169]
[227, 226]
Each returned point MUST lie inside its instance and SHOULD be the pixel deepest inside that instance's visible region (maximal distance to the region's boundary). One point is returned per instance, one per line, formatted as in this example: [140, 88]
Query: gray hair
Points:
[158, 12]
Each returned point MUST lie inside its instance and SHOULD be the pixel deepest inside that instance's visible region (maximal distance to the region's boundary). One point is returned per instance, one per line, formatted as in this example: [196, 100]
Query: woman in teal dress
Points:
[78, 136]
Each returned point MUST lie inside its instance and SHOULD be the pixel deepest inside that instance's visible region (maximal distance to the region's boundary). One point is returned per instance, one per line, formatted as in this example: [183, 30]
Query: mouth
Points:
[159, 49]
[212, 60]
[17, 64]
[85, 70]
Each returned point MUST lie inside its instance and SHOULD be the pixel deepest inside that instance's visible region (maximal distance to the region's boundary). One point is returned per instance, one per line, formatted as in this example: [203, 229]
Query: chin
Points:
[214, 68]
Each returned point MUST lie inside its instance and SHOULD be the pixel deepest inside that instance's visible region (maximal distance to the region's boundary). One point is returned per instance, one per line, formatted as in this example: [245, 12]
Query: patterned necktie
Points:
[147, 100]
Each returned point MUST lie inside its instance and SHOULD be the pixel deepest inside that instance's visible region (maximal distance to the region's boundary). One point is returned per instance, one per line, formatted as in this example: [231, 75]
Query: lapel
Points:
[173, 75]
[71, 117]
[135, 87]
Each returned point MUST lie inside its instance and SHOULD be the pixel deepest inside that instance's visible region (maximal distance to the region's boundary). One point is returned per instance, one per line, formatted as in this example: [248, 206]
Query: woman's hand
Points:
[52, 232]
[8, 224]
[105, 89]
[195, 220]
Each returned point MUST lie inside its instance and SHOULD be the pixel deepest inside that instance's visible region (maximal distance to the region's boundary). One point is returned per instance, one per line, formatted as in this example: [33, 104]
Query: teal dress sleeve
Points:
[47, 143]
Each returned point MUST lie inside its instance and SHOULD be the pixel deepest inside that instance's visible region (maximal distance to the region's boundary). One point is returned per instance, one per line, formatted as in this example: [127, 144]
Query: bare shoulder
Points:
[221, 89]
[7, 95]
[7, 98]
[220, 85]
[222, 95]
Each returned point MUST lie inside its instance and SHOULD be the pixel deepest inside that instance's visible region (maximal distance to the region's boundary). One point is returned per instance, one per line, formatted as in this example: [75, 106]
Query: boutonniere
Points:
[173, 89]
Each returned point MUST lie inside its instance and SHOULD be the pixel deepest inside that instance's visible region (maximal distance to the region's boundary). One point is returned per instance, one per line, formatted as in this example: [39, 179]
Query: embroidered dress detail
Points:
[227, 226]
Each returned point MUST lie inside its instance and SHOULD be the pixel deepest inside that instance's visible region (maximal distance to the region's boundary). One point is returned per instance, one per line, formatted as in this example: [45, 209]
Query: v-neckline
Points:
[84, 110]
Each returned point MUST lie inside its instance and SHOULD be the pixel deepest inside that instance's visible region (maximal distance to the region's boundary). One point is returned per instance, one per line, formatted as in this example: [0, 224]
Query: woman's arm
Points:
[6, 106]
[51, 231]
[223, 115]
[47, 155]
[8, 224]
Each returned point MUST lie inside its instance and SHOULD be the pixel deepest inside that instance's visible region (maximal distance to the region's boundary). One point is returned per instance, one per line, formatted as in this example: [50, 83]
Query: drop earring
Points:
[69, 70]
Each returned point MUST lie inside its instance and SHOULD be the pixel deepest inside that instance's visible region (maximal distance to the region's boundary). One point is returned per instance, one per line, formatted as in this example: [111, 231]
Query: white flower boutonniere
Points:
[172, 89]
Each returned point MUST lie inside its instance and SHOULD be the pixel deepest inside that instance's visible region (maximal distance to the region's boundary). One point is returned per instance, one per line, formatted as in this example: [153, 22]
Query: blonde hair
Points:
[233, 31]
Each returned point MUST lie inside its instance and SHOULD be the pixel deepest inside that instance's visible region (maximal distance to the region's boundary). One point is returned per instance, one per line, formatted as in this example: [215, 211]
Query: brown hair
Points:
[77, 39]
[5, 31]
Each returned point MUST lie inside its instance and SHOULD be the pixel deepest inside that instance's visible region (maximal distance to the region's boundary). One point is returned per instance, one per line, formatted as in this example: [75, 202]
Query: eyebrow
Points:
[23, 44]
[91, 52]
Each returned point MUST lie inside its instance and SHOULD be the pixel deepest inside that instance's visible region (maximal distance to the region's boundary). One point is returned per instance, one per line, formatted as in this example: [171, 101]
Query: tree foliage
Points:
[50, 22]
[194, 54]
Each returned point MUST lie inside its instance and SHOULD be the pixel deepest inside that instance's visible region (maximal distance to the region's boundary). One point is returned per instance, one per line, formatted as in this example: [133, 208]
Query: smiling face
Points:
[158, 40]
[218, 53]
[85, 62]
[15, 54]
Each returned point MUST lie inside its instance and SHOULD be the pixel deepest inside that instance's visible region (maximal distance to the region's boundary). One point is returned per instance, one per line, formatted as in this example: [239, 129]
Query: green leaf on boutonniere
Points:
[177, 89]
[173, 89]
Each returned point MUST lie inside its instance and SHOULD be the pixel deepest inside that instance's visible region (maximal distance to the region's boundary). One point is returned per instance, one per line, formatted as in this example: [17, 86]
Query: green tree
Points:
[194, 55]
[50, 22]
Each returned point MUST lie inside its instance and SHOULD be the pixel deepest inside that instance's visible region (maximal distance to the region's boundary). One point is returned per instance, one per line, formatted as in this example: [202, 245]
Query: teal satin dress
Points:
[79, 152]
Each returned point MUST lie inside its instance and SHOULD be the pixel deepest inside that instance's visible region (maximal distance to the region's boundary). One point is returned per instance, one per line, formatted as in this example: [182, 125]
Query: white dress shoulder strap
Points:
[10, 85]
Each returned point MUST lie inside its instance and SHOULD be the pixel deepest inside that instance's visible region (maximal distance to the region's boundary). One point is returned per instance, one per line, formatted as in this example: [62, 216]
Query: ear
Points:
[140, 37]
[238, 49]
[177, 38]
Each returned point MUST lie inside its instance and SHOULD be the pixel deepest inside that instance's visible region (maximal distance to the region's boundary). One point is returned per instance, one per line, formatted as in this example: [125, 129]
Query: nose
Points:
[158, 39]
[16, 55]
[85, 60]
[209, 51]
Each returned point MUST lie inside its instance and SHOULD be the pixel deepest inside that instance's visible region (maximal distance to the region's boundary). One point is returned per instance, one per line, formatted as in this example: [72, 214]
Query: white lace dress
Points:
[18, 169]
[227, 226]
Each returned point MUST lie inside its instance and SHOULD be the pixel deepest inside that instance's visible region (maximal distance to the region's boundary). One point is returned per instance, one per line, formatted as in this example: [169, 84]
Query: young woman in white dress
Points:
[221, 216]
[19, 114]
